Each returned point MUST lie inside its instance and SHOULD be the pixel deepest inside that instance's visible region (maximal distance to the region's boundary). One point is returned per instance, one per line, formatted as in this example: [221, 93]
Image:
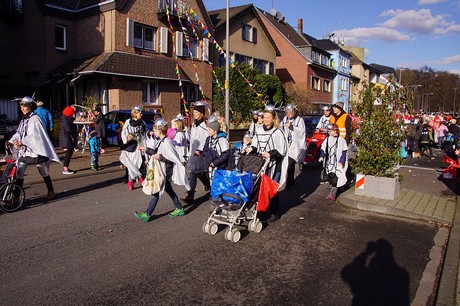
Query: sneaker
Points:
[102, 151]
[177, 212]
[50, 195]
[68, 171]
[330, 197]
[93, 168]
[142, 215]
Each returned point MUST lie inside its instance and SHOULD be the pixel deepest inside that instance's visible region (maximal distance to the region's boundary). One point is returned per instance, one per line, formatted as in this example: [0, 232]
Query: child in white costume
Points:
[334, 153]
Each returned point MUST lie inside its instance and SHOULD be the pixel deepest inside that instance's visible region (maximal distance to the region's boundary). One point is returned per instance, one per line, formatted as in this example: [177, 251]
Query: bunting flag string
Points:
[190, 53]
[221, 52]
[182, 95]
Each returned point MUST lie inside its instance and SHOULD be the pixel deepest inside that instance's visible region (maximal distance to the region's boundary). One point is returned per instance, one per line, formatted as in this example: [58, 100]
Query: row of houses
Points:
[160, 53]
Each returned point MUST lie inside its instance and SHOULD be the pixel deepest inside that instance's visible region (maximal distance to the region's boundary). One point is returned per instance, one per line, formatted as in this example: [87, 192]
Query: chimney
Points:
[300, 25]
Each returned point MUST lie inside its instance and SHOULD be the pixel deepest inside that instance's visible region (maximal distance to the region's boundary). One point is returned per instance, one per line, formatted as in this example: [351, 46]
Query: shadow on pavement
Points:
[305, 184]
[375, 278]
[60, 195]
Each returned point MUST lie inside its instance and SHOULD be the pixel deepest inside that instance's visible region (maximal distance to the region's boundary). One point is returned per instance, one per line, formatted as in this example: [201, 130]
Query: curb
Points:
[346, 199]
[448, 290]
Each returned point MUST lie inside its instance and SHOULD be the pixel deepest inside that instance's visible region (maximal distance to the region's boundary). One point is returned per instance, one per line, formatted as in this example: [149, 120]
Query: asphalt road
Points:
[87, 248]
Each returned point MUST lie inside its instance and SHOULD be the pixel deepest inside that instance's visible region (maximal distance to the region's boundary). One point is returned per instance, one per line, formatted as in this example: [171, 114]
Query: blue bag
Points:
[236, 183]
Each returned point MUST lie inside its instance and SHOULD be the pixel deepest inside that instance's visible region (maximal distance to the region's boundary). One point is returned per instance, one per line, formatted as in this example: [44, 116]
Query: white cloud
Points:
[421, 2]
[356, 36]
[421, 21]
[450, 59]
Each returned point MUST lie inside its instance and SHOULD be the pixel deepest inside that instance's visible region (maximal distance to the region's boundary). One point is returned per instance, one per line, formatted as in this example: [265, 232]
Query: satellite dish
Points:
[278, 16]
[273, 11]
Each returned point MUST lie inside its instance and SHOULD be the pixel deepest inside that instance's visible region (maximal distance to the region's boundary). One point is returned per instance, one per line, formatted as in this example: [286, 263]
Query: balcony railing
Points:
[176, 7]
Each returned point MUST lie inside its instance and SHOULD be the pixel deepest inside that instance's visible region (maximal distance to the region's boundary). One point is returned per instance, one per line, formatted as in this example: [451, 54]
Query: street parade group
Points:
[173, 153]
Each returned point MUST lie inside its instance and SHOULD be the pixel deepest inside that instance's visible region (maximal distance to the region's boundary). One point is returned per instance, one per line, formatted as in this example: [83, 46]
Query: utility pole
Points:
[227, 70]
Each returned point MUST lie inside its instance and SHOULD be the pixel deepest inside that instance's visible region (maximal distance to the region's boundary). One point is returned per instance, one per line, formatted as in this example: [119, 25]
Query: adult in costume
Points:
[271, 143]
[293, 127]
[32, 145]
[138, 127]
[343, 121]
[68, 136]
[196, 166]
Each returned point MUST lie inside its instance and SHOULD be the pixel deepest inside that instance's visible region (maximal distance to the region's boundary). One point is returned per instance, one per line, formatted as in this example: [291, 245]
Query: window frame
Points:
[315, 81]
[143, 28]
[147, 86]
[327, 85]
[64, 37]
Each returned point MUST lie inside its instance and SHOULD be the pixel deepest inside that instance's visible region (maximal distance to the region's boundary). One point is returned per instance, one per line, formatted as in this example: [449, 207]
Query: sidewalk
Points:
[424, 197]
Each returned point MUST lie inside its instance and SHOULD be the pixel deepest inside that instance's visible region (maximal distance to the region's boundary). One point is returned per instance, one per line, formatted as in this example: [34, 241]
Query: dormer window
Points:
[60, 37]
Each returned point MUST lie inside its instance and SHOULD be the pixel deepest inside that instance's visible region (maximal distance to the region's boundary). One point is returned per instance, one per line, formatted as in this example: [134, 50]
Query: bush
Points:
[378, 139]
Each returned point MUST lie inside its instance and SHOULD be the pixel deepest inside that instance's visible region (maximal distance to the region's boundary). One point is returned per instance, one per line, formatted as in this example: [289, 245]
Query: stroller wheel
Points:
[257, 226]
[236, 235]
[213, 229]
[228, 234]
[205, 227]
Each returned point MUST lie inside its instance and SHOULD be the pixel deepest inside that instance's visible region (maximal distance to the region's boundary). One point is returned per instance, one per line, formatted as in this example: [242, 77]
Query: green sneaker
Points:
[177, 212]
[142, 215]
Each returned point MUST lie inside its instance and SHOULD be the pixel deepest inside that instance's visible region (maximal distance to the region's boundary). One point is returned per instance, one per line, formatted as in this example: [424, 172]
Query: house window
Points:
[242, 59]
[327, 86]
[271, 68]
[315, 83]
[193, 43]
[150, 92]
[343, 84]
[60, 37]
[260, 65]
[192, 93]
[144, 37]
[315, 56]
[249, 33]
[324, 60]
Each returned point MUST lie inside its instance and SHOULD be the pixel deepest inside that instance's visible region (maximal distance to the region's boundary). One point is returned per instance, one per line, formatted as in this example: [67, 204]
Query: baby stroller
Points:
[234, 200]
[313, 147]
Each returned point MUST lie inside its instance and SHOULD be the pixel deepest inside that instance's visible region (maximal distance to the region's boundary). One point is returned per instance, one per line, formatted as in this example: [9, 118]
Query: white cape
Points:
[132, 161]
[168, 150]
[35, 139]
[333, 156]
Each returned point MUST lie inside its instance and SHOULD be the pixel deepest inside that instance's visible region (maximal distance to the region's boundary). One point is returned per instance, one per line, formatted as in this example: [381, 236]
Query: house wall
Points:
[22, 46]
[321, 96]
[263, 49]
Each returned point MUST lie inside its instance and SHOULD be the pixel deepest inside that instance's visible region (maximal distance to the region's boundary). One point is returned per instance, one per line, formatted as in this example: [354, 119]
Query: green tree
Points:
[378, 139]
[243, 100]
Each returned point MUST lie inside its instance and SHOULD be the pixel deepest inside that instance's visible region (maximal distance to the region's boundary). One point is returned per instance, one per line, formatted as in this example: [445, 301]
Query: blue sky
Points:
[404, 33]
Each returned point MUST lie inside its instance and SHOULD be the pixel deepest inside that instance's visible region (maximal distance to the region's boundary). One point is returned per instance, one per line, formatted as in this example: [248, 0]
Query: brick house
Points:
[300, 61]
[250, 41]
[119, 52]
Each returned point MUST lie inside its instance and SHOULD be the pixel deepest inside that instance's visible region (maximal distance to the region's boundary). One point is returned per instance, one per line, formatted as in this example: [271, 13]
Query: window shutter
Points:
[129, 32]
[179, 43]
[206, 49]
[163, 40]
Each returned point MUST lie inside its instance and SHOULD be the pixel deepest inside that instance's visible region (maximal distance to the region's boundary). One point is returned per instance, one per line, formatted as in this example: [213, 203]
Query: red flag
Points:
[268, 189]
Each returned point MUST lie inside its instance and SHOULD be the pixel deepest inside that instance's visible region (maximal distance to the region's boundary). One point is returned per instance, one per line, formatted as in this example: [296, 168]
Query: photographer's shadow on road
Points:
[375, 278]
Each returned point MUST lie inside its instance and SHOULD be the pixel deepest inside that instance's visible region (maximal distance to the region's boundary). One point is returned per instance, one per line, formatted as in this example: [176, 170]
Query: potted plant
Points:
[379, 140]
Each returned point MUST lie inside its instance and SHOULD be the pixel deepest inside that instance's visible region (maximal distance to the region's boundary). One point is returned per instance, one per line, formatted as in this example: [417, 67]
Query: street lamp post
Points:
[227, 70]
[400, 75]
[455, 95]
[423, 99]
[415, 87]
